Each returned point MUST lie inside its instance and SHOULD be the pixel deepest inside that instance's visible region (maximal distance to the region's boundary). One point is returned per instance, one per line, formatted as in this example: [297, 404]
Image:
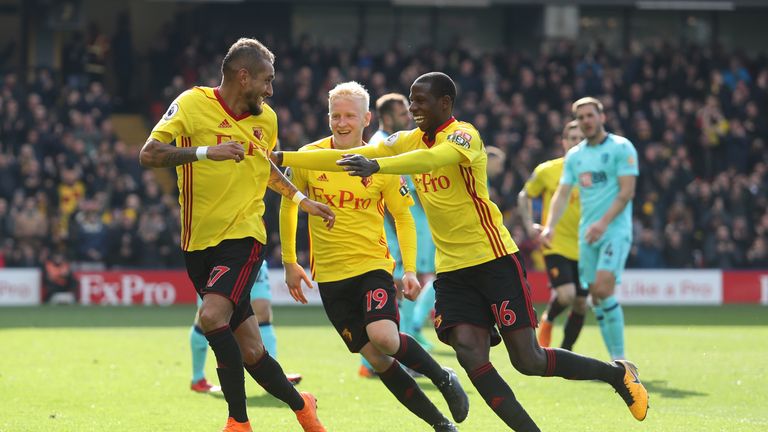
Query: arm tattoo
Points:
[279, 183]
[174, 156]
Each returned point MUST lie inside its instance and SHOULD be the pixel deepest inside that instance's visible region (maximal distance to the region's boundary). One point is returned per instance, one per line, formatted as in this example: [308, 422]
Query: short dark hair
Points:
[573, 124]
[244, 54]
[440, 85]
[386, 103]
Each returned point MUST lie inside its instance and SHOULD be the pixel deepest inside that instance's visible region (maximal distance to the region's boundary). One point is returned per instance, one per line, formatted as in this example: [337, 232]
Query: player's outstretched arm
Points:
[280, 184]
[321, 160]
[556, 209]
[412, 162]
[157, 154]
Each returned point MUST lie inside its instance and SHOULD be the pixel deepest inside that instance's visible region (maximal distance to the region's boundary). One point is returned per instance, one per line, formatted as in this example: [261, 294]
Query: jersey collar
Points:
[226, 107]
[429, 143]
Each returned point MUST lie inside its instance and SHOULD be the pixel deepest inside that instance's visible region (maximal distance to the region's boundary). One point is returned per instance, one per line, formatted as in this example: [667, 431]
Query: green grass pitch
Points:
[127, 369]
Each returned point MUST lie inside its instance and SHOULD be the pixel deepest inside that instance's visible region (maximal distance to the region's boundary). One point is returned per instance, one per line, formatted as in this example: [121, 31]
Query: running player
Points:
[605, 168]
[392, 112]
[353, 267]
[261, 303]
[562, 257]
[223, 137]
[480, 286]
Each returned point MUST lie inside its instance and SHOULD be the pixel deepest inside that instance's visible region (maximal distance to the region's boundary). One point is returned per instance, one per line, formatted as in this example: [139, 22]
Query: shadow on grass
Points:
[292, 316]
[262, 400]
[660, 387]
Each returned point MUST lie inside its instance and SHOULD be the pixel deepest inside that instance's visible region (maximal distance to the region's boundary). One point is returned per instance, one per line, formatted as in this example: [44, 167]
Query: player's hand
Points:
[595, 232]
[358, 165]
[294, 275]
[534, 232]
[225, 151]
[276, 157]
[319, 209]
[411, 286]
[546, 236]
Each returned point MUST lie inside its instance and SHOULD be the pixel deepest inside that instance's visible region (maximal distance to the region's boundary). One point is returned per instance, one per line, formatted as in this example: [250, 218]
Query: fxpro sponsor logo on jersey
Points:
[135, 288]
[249, 147]
[428, 183]
[341, 199]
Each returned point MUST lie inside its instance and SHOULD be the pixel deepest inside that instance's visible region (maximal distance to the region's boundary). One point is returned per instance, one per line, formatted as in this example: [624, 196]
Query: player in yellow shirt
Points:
[562, 257]
[223, 137]
[353, 267]
[480, 285]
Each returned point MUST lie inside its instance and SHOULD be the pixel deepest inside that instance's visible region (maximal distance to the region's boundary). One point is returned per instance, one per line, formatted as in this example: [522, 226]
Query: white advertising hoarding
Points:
[671, 287]
[19, 287]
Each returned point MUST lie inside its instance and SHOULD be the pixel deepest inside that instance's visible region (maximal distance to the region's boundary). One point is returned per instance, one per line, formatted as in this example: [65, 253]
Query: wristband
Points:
[202, 153]
[298, 197]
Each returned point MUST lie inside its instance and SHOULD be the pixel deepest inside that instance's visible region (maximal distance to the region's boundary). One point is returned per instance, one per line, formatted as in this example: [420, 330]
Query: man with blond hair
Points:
[353, 267]
[223, 137]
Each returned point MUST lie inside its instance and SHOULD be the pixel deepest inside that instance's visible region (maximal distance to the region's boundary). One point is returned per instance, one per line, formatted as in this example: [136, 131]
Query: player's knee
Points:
[580, 305]
[532, 364]
[252, 354]
[211, 319]
[385, 342]
[470, 356]
[565, 297]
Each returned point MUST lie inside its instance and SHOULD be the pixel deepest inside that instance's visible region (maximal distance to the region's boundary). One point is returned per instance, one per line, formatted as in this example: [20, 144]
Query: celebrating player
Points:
[222, 139]
[562, 256]
[392, 112]
[605, 168]
[353, 267]
[261, 303]
[480, 285]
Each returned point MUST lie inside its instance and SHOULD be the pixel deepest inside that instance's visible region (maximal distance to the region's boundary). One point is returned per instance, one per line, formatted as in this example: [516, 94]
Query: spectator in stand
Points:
[57, 277]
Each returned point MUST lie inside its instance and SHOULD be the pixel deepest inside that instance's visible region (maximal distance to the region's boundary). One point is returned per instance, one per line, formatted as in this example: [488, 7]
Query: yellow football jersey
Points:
[356, 244]
[467, 227]
[219, 200]
[543, 183]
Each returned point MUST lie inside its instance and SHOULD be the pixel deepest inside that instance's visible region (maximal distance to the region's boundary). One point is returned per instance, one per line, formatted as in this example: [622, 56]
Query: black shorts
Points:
[561, 271]
[228, 269]
[494, 294]
[353, 303]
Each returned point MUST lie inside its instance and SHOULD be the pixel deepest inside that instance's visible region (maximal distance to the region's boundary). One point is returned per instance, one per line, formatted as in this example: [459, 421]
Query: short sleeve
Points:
[176, 120]
[467, 142]
[396, 193]
[626, 160]
[535, 184]
[569, 174]
[394, 144]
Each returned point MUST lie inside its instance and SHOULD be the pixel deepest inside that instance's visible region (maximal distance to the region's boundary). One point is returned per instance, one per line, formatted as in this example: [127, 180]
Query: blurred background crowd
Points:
[69, 187]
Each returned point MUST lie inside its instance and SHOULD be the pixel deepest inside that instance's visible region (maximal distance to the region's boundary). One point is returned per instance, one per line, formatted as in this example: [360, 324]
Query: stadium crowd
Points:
[697, 117]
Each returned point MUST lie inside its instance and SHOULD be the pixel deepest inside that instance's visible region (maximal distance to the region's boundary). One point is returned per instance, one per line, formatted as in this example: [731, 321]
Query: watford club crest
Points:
[366, 181]
[555, 272]
[347, 335]
[258, 133]
[438, 321]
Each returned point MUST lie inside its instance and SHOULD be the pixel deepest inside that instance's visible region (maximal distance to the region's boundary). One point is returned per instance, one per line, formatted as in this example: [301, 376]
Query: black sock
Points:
[572, 329]
[409, 394]
[411, 354]
[230, 370]
[268, 373]
[573, 366]
[554, 308]
[501, 399]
